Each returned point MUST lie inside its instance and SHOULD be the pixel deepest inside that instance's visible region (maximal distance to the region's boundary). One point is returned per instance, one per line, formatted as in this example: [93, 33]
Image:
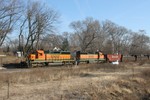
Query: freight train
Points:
[41, 57]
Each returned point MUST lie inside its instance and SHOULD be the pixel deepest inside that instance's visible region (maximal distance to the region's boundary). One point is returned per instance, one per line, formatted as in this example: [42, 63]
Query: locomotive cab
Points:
[38, 55]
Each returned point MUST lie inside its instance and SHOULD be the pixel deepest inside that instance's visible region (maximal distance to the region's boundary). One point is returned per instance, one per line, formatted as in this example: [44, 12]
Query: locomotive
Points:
[67, 57]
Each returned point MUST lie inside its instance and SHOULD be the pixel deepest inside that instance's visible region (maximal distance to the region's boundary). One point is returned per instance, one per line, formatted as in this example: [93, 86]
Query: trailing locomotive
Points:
[64, 57]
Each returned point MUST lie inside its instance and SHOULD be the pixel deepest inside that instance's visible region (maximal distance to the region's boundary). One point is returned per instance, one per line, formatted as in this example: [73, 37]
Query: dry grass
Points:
[86, 82]
[146, 73]
[52, 74]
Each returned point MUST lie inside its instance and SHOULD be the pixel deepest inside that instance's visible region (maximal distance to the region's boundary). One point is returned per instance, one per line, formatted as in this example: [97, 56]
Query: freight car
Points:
[114, 57]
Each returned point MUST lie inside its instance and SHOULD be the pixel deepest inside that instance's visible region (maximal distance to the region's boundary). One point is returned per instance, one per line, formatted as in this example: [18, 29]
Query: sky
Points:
[132, 14]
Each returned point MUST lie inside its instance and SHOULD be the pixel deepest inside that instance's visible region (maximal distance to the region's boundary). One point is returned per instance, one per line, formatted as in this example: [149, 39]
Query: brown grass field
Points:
[126, 81]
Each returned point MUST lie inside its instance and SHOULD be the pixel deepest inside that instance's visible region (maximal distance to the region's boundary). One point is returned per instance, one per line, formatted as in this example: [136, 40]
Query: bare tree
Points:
[37, 22]
[124, 43]
[116, 34]
[9, 10]
[110, 29]
[86, 31]
[12, 45]
[74, 42]
[140, 44]
[51, 41]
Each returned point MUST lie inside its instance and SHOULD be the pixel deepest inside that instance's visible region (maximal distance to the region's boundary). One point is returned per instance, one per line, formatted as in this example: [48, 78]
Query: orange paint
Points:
[57, 56]
[32, 56]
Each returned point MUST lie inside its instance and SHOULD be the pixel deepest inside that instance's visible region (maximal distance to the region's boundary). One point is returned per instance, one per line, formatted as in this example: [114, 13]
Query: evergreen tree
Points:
[65, 45]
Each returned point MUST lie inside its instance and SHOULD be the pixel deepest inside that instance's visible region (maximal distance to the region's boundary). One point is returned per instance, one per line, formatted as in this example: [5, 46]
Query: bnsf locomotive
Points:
[66, 57]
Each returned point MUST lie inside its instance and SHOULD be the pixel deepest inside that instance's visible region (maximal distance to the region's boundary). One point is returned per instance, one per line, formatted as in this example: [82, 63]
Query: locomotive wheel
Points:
[87, 62]
[46, 63]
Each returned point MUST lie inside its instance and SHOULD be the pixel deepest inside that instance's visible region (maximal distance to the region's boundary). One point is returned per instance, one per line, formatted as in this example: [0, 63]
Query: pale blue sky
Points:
[133, 14]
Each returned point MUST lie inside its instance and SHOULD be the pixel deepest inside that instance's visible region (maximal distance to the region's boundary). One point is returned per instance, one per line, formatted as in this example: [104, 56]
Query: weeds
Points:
[56, 74]
[87, 82]
[146, 73]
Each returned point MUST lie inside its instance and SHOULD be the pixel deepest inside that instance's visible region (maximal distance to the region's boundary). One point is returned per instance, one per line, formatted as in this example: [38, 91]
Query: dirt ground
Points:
[126, 81]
